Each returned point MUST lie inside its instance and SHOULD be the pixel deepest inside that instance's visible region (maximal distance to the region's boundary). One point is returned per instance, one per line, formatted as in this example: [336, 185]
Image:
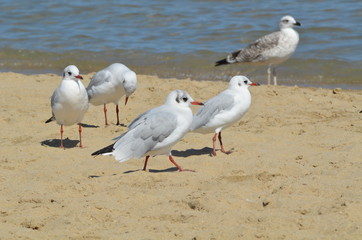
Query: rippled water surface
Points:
[181, 38]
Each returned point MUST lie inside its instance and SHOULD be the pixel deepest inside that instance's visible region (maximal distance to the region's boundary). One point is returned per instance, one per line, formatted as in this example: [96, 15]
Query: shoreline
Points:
[295, 172]
[348, 86]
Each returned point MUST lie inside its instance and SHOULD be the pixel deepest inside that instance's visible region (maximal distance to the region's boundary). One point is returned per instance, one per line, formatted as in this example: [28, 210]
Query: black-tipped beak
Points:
[79, 77]
[297, 24]
[254, 84]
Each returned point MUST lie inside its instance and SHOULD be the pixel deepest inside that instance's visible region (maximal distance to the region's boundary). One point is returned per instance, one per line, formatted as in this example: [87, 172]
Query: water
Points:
[182, 38]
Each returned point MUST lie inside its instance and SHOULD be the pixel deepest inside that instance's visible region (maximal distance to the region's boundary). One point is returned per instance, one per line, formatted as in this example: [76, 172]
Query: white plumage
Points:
[270, 49]
[223, 110]
[69, 101]
[110, 85]
[155, 131]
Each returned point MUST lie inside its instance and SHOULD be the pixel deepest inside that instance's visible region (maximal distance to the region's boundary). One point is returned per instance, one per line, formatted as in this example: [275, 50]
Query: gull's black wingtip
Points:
[221, 62]
[107, 149]
[50, 119]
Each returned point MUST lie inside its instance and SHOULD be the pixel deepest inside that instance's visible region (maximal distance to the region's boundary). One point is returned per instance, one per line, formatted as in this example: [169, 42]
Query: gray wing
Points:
[99, 78]
[138, 120]
[53, 100]
[254, 51]
[150, 130]
[211, 108]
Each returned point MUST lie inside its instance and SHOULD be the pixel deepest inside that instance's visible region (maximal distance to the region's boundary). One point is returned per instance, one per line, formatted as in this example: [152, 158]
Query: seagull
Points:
[223, 110]
[155, 131]
[110, 85]
[270, 49]
[69, 102]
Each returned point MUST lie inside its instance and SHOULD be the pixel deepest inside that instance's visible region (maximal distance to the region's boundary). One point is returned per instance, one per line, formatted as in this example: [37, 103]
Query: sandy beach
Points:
[295, 173]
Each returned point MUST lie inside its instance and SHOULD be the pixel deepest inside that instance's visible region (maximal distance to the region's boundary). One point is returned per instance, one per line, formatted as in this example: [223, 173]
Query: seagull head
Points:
[288, 22]
[129, 83]
[71, 72]
[181, 98]
[238, 82]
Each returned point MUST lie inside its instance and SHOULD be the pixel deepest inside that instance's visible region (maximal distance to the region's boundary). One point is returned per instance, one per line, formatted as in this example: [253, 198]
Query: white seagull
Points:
[223, 110]
[110, 85]
[155, 131]
[69, 102]
[270, 49]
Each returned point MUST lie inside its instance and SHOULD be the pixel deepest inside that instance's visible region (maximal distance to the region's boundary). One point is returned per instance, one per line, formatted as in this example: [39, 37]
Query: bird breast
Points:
[289, 39]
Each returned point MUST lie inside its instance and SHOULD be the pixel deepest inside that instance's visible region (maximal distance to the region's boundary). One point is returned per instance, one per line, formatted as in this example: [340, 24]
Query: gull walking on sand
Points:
[110, 85]
[270, 49]
[223, 110]
[69, 102]
[155, 131]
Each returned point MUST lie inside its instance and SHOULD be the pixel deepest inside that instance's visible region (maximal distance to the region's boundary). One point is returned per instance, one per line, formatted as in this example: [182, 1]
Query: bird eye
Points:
[184, 99]
[69, 73]
[246, 81]
[285, 20]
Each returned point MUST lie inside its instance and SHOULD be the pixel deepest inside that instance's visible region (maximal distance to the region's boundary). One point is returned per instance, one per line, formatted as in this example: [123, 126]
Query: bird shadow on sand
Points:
[121, 125]
[67, 143]
[85, 125]
[192, 152]
[99, 176]
[175, 153]
[171, 169]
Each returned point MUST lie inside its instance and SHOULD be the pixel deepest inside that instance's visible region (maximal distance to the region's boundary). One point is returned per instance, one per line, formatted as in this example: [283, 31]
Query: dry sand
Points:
[295, 173]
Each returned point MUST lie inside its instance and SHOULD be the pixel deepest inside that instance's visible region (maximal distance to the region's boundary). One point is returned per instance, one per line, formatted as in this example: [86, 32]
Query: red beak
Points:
[125, 102]
[197, 103]
[255, 84]
[79, 76]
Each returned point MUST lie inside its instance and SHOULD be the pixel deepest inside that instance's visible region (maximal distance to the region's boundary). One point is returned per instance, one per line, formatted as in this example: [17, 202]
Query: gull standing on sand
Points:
[69, 102]
[223, 110]
[110, 85]
[270, 49]
[155, 131]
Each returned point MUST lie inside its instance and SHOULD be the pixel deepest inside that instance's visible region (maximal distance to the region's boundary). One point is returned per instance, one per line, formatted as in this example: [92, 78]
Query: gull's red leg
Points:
[173, 161]
[80, 135]
[61, 136]
[105, 114]
[213, 145]
[179, 168]
[222, 147]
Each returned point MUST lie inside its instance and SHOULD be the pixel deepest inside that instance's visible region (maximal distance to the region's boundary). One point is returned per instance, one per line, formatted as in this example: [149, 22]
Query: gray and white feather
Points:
[270, 49]
[69, 101]
[155, 131]
[224, 109]
[110, 85]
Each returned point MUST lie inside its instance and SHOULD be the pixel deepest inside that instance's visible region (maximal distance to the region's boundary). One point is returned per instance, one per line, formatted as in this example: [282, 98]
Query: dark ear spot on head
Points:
[177, 100]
